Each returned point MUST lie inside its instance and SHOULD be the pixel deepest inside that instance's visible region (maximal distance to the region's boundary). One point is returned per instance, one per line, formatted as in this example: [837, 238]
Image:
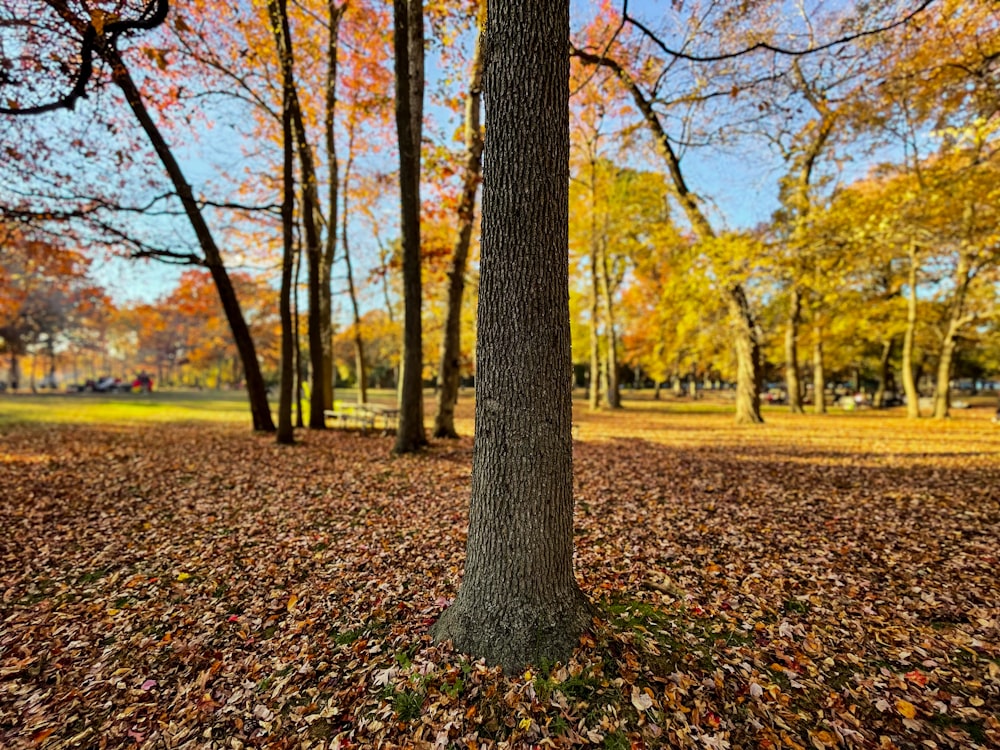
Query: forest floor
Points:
[814, 582]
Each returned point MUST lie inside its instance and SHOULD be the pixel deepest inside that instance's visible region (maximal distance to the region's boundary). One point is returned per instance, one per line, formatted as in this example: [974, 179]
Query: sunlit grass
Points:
[124, 408]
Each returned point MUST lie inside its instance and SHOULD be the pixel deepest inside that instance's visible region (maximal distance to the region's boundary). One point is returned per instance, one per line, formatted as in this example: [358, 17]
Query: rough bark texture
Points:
[519, 602]
[449, 373]
[819, 375]
[256, 390]
[792, 352]
[909, 382]
[409, 50]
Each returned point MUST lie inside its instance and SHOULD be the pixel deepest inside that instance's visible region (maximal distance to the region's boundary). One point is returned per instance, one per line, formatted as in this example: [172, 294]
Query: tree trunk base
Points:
[515, 634]
[445, 431]
[748, 418]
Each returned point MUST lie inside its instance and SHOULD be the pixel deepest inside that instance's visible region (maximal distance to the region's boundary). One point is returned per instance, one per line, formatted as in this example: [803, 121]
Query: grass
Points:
[123, 408]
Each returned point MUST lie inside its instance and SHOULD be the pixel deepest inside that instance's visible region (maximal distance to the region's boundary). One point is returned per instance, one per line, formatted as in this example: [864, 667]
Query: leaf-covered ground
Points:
[812, 583]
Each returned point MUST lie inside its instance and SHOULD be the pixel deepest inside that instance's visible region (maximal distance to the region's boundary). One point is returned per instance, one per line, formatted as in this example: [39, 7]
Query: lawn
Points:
[170, 580]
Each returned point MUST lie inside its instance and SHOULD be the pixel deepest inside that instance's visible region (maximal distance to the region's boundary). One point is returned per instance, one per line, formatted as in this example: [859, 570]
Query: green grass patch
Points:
[124, 408]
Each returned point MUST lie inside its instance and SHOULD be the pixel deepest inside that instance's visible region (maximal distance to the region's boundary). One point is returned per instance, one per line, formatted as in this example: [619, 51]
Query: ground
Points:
[816, 582]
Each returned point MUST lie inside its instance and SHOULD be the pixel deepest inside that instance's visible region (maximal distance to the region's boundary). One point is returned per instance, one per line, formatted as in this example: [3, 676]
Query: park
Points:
[499, 374]
[171, 579]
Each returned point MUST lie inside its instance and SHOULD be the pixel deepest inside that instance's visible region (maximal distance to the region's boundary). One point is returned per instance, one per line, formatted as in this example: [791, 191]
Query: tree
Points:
[746, 335]
[96, 33]
[519, 601]
[451, 344]
[409, 48]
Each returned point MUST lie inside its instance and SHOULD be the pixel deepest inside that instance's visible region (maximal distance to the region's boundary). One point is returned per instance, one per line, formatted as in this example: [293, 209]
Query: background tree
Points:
[409, 48]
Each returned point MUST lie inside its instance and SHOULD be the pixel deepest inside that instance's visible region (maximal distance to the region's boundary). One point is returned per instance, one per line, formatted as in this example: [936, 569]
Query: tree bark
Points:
[334, 14]
[409, 49]
[299, 421]
[748, 364]
[278, 15]
[286, 432]
[519, 602]
[819, 375]
[909, 383]
[260, 410]
[792, 352]
[449, 372]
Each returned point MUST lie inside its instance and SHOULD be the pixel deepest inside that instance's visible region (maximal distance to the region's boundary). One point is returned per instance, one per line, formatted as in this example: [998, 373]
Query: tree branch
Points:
[152, 16]
[767, 46]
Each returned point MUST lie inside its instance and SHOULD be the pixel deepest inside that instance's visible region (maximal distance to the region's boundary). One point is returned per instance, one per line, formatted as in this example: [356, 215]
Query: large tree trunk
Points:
[451, 346]
[286, 433]
[909, 383]
[409, 49]
[519, 602]
[819, 374]
[792, 352]
[260, 410]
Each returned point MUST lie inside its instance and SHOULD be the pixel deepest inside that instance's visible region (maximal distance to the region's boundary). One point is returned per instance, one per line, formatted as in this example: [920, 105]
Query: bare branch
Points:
[767, 46]
[152, 16]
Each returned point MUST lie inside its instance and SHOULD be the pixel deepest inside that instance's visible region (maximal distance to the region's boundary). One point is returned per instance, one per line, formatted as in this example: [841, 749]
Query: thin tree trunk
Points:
[260, 410]
[360, 368]
[612, 388]
[299, 421]
[792, 352]
[334, 14]
[286, 433]
[451, 346]
[519, 602]
[819, 376]
[878, 400]
[595, 341]
[310, 211]
[408, 24]
[909, 383]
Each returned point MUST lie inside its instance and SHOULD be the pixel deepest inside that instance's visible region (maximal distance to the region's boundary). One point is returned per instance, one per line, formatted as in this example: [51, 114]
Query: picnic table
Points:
[363, 416]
